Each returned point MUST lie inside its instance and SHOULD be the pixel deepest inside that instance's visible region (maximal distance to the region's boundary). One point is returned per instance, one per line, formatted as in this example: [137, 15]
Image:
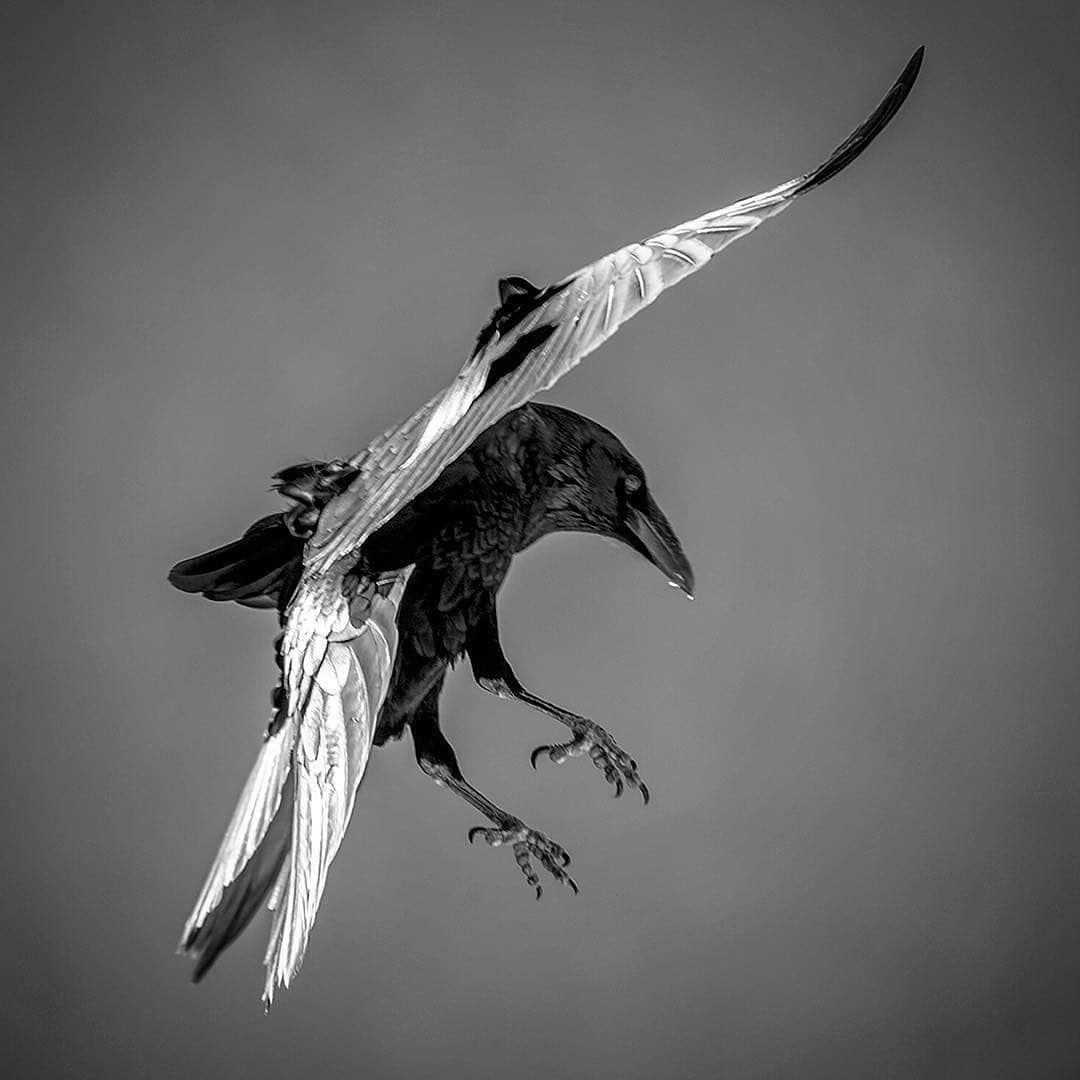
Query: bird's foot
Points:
[528, 844]
[590, 738]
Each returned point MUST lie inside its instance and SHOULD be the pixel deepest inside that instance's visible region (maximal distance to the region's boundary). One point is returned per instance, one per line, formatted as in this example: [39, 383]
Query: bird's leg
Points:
[413, 680]
[436, 757]
[492, 671]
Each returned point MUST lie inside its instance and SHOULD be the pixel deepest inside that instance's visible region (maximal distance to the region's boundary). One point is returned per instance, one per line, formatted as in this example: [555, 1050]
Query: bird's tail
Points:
[262, 568]
[296, 804]
[255, 570]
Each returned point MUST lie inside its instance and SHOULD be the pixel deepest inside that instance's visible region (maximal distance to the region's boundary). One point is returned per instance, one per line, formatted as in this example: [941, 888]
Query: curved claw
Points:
[619, 768]
[528, 844]
[566, 879]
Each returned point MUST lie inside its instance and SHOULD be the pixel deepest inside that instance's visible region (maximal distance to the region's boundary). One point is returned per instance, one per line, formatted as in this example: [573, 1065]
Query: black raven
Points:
[338, 643]
[540, 470]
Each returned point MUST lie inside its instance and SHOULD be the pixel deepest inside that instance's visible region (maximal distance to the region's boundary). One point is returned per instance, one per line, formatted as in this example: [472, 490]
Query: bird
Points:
[338, 642]
[541, 469]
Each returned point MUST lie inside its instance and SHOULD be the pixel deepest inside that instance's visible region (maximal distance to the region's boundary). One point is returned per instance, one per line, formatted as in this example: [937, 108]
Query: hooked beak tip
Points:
[648, 531]
[685, 587]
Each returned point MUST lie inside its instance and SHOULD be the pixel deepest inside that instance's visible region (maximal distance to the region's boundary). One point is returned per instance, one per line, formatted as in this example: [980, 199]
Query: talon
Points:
[527, 844]
[573, 885]
[618, 767]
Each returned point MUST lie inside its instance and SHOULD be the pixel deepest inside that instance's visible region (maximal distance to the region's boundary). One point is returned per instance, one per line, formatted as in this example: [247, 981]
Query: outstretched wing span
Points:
[537, 336]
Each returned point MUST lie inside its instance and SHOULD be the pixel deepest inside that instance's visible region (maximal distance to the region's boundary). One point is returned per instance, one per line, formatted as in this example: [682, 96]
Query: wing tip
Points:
[868, 130]
[188, 948]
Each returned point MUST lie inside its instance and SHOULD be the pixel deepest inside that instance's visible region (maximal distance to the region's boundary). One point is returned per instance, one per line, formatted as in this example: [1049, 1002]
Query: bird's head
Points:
[601, 488]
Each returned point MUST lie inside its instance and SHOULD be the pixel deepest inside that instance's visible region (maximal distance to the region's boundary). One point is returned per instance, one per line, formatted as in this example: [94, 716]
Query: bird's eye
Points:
[632, 483]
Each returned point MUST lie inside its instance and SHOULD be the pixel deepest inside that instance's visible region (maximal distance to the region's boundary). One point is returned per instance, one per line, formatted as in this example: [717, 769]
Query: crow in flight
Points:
[338, 647]
[539, 470]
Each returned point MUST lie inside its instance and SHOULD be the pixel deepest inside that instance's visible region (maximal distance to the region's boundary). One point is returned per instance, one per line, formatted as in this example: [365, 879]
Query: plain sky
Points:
[240, 235]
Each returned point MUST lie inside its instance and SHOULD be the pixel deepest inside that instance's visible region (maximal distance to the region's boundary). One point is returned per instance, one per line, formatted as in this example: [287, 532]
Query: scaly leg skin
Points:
[436, 757]
[492, 671]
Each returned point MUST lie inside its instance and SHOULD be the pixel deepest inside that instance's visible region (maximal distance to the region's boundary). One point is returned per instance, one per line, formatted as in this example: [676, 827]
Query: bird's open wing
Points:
[543, 335]
[333, 743]
[298, 799]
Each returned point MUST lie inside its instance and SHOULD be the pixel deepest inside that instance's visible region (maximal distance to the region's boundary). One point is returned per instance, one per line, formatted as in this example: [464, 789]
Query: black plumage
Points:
[540, 470]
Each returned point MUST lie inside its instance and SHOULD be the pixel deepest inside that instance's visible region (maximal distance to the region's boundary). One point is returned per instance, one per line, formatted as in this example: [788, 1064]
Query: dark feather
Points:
[248, 569]
[867, 131]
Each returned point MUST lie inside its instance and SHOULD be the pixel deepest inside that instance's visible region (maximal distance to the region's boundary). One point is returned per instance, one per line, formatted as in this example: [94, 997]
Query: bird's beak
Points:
[650, 533]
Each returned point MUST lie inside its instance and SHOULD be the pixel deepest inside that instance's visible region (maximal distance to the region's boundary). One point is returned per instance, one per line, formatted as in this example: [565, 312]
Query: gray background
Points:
[235, 237]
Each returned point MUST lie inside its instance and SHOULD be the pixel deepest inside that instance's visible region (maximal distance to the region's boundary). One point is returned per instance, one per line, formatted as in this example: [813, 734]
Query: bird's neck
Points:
[559, 501]
[552, 461]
